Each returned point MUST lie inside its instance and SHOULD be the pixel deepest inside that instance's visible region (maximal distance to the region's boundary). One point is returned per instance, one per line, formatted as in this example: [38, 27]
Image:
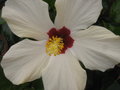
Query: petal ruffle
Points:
[25, 61]
[97, 48]
[64, 73]
[28, 18]
[77, 14]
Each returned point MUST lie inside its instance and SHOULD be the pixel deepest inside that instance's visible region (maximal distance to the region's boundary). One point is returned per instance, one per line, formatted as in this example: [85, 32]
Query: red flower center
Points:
[59, 41]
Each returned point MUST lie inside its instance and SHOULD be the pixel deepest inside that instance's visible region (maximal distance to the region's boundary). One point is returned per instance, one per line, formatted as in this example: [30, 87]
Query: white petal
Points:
[64, 73]
[97, 48]
[27, 18]
[25, 61]
[77, 14]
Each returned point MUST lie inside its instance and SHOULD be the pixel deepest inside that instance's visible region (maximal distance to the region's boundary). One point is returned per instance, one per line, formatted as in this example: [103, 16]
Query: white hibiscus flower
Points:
[55, 56]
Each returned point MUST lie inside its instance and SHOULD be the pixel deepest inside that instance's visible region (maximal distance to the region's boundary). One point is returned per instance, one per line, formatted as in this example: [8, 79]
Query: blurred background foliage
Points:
[97, 80]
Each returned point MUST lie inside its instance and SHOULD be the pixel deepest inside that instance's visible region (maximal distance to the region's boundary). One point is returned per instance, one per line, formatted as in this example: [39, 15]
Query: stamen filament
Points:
[54, 46]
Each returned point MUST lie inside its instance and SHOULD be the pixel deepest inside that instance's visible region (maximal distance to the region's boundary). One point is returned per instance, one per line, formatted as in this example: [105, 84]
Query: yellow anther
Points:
[54, 46]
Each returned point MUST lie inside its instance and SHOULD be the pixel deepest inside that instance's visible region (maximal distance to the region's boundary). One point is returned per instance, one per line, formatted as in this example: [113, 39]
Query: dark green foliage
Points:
[97, 80]
[51, 9]
[110, 16]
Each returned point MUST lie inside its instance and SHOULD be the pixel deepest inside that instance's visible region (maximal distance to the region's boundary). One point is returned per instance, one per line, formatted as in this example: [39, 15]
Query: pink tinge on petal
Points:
[63, 33]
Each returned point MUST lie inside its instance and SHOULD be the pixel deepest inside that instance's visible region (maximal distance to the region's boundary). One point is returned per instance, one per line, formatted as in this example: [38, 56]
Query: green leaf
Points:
[52, 10]
[115, 12]
[114, 28]
[2, 21]
[1, 46]
[4, 83]
[11, 38]
[50, 2]
[114, 86]
[38, 84]
[110, 16]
